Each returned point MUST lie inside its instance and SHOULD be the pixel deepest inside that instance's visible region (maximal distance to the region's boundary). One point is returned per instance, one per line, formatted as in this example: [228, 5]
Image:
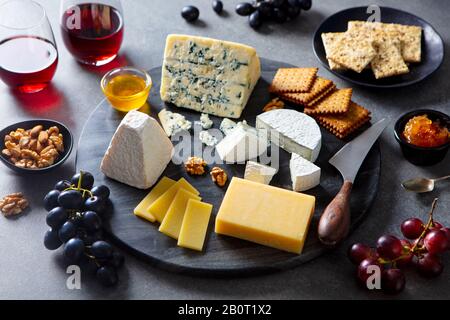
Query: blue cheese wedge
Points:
[293, 131]
[207, 75]
[207, 139]
[173, 123]
[305, 175]
[131, 156]
[258, 172]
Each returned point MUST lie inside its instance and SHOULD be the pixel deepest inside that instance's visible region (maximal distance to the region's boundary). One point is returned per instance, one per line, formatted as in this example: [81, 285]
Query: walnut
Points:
[13, 204]
[195, 166]
[219, 176]
[274, 104]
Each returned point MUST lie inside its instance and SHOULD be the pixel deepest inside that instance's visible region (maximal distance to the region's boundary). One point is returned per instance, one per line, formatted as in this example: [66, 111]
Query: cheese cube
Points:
[266, 215]
[195, 225]
[141, 210]
[208, 75]
[305, 175]
[258, 172]
[161, 205]
[171, 225]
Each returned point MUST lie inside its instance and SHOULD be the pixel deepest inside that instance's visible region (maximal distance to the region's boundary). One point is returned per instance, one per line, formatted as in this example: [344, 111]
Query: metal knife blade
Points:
[348, 160]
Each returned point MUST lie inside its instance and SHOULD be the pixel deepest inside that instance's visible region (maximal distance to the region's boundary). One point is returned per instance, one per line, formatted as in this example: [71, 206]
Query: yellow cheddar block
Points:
[195, 224]
[141, 210]
[171, 225]
[266, 215]
[159, 208]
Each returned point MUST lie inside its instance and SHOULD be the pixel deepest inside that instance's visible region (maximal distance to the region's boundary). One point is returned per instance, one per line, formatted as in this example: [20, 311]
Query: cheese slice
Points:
[266, 215]
[208, 75]
[138, 153]
[305, 175]
[171, 224]
[293, 131]
[141, 210]
[241, 145]
[260, 173]
[195, 224]
[161, 205]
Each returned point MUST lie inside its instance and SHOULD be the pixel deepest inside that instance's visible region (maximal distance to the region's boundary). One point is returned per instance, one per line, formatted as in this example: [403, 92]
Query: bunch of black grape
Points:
[75, 215]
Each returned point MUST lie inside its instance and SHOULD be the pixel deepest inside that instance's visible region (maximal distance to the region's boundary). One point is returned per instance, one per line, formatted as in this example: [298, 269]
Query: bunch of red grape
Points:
[75, 210]
[424, 244]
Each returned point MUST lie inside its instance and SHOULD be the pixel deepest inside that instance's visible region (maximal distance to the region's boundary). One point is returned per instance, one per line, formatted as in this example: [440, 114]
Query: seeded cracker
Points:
[342, 125]
[319, 86]
[329, 41]
[337, 102]
[353, 52]
[293, 80]
[389, 61]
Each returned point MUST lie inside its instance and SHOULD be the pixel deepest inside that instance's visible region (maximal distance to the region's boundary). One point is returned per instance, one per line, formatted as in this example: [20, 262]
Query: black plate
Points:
[29, 124]
[432, 47]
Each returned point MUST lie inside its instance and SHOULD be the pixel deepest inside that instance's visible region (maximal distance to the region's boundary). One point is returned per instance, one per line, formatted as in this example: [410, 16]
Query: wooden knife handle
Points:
[334, 223]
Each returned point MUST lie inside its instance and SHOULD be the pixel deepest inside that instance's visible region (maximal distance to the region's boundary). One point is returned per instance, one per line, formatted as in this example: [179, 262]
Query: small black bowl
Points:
[422, 156]
[67, 138]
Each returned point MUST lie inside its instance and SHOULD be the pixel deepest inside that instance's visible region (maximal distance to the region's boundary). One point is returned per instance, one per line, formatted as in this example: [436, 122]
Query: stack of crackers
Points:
[331, 107]
[386, 48]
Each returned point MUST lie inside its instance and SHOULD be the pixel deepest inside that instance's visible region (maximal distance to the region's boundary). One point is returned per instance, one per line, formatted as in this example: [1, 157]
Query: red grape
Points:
[363, 273]
[412, 228]
[436, 226]
[393, 281]
[447, 233]
[389, 247]
[406, 261]
[429, 265]
[359, 251]
[436, 241]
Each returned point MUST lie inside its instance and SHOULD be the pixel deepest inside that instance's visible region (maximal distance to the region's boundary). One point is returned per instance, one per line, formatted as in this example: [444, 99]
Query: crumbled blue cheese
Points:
[227, 126]
[208, 139]
[173, 123]
[206, 122]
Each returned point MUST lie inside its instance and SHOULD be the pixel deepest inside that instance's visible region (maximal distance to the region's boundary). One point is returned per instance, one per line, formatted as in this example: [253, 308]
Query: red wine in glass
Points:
[27, 63]
[92, 32]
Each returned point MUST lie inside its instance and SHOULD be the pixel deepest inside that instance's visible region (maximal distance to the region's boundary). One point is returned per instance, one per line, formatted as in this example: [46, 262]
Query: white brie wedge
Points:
[305, 175]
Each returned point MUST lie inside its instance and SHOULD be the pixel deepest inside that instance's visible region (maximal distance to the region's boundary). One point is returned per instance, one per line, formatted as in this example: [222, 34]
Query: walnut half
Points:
[195, 166]
[219, 176]
[13, 204]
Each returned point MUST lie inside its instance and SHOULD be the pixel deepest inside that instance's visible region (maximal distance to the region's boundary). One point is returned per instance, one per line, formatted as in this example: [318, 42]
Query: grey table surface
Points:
[29, 271]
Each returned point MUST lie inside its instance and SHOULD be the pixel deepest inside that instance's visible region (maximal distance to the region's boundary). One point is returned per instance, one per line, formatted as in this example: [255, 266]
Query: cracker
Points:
[322, 96]
[293, 80]
[342, 125]
[336, 102]
[353, 51]
[389, 61]
[329, 40]
[319, 86]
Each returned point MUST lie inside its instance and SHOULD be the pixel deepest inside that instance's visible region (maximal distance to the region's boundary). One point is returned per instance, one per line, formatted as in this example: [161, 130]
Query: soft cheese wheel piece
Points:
[293, 131]
[305, 175]
[258, 172]
[208, 75]
[139, 151]
[266, 215]
[195, 224]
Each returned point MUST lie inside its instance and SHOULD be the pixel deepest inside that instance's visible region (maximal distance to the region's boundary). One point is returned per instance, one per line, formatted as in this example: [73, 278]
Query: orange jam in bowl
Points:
[423, 132]
[126, 88]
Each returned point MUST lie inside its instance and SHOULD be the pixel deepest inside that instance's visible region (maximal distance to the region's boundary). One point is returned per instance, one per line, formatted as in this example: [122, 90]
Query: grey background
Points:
[27, 270]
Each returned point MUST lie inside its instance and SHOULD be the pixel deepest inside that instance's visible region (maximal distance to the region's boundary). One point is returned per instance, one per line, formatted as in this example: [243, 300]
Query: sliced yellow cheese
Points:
[159, 208]
[171, 225]
[266, 215]
[195, 224]
[141, 210]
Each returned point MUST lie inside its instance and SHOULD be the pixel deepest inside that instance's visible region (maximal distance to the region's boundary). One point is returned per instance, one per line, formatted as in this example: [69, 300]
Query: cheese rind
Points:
[161, 187]
[195, 224]
[293, 131]
[305, 175]
[258, 172]
[266, 215]
[139, 151]
[171, 224]
[208, 75]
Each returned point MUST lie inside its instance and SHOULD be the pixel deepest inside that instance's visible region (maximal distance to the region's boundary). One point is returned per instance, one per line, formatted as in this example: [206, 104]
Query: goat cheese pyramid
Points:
[138, 153]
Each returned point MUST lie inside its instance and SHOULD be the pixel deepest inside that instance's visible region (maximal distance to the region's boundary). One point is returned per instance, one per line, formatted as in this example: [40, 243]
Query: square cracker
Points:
[322, 96]
[293, 80]
[336, 102]
[319, 86]
[389, 61]
[353, 51]
[341, 125]
[329, 40]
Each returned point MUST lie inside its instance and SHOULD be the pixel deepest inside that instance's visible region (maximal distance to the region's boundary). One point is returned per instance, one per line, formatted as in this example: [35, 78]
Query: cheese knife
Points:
[334, 223]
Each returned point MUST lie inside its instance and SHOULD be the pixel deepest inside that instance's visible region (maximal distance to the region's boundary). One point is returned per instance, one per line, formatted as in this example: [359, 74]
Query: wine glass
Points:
[28, 53]
[92, 31]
